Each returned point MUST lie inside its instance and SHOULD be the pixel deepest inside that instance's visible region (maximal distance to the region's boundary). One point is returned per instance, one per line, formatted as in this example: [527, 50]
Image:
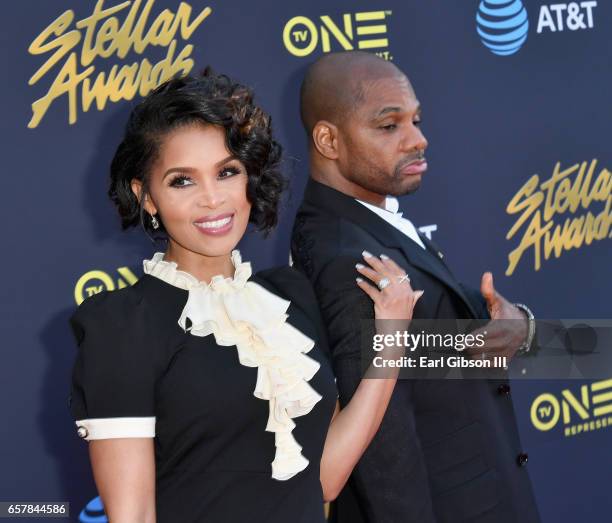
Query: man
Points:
[447, 450]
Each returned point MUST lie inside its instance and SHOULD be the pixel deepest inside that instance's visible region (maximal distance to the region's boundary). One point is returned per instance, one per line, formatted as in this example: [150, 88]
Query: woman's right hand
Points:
[397, 299]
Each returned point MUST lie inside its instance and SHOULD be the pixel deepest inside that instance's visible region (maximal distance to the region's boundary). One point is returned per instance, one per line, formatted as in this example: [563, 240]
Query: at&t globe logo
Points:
[502, 25]
[93, 512]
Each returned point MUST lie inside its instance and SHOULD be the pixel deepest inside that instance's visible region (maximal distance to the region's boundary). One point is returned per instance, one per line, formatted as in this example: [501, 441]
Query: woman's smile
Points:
[215, 225]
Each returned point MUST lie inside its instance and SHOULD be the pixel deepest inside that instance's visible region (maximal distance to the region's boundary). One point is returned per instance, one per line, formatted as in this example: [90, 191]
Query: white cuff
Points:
[108, 428]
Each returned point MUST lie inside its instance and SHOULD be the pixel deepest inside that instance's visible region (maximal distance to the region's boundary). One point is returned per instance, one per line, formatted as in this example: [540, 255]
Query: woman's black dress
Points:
[138, 370]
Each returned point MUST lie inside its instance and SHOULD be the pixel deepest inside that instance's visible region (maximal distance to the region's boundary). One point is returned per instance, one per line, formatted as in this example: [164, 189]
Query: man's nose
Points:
[414, 140]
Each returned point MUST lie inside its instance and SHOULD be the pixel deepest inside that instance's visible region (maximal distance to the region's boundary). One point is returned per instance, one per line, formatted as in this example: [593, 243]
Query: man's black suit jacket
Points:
[447, 450]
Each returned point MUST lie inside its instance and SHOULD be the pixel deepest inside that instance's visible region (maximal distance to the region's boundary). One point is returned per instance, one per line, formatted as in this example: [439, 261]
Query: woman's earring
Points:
[154, 222]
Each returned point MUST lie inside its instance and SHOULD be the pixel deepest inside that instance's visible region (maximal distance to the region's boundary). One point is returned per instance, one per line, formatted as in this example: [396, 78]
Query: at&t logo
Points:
[96, 281]
[93, 512]
[503, 25]
[364, 31]
[590, 409]
[572, 16]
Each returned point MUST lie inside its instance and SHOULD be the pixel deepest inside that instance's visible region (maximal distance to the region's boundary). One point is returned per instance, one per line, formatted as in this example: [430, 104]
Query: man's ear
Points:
[325, 139]
[149, 206]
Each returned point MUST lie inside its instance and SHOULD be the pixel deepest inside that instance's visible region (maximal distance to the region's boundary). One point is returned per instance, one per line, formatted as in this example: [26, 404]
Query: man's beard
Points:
[375, 180]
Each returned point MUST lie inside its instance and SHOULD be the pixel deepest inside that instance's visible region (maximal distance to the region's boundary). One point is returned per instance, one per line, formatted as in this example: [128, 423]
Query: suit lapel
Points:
[341, 205]
[430, 263]
[435, 251]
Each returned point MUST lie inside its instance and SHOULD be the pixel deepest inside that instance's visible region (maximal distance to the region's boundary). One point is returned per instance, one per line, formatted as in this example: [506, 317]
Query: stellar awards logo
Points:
[503, 25]
[104, 56]
[570, 210]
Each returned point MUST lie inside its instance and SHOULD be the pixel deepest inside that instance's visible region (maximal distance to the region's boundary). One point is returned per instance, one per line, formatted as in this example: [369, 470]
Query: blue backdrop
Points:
[517, 111]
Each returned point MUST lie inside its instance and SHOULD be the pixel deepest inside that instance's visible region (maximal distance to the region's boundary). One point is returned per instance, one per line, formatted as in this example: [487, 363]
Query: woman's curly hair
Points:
[211, 99]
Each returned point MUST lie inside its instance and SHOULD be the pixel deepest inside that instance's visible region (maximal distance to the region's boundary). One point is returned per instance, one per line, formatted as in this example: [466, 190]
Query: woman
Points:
[242, 425]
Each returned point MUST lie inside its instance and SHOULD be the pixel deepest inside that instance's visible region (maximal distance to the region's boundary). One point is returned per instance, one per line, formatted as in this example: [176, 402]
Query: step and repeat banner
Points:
[517, 108]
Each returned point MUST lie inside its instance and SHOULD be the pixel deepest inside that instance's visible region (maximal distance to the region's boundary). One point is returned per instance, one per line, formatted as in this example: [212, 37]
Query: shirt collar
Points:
[391, 207]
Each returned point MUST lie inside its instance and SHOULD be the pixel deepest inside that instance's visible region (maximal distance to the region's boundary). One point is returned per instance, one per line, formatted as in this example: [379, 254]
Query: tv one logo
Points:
[96, 281]
[590, 409]
[503, 25]
[302, 36]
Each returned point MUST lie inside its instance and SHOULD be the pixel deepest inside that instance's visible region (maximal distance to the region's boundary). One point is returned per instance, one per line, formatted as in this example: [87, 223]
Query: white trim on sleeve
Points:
[108, 428]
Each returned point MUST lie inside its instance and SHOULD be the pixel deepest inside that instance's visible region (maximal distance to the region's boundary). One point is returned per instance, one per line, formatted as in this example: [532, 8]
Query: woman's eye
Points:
[389, 127]
[417, 122]
[228, 172]
[181, 181]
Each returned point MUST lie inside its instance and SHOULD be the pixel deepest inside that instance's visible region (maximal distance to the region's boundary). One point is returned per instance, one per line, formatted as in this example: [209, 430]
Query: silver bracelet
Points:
[524, 348]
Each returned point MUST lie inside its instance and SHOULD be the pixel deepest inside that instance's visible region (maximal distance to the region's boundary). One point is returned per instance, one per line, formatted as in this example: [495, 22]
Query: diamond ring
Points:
[384, 283]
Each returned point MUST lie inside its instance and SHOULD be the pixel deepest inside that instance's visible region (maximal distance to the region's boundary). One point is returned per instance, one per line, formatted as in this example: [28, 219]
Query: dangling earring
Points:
[154, 222]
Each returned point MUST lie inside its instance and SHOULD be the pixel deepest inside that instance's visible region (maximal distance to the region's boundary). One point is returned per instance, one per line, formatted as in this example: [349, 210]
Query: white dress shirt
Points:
[390, 215]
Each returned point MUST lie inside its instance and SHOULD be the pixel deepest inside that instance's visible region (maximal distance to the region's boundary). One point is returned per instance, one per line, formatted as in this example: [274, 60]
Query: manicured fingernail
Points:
[359, 280]
[366, 254]
[384, 257]
[359, 266]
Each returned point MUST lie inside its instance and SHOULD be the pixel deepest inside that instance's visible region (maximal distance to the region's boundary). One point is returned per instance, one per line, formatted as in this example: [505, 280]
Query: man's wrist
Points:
[531, 327]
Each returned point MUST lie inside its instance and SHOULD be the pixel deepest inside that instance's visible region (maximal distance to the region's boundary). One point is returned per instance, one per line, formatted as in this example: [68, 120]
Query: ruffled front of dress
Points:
[242, 313]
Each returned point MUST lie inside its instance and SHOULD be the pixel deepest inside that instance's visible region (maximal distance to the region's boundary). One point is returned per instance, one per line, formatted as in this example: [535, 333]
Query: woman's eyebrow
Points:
[178, 169]
[225, 160]
[192, 169]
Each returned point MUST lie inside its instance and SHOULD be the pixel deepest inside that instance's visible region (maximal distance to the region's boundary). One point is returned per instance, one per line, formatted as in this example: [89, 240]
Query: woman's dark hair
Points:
[210, 99]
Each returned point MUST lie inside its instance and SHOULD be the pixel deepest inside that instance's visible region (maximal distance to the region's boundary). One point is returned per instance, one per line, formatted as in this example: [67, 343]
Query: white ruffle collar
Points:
[242, 313]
